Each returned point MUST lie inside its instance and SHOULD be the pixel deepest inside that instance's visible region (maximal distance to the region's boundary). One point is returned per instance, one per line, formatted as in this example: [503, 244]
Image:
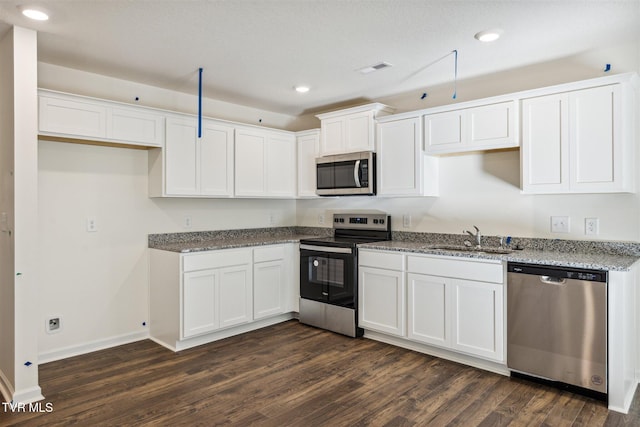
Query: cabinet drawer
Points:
[268, 253]
[482, 271]
[386, 260]
[215, 259]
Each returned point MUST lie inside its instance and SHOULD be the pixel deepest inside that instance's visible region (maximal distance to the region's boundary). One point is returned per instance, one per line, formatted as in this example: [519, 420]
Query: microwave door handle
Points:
[356, 174]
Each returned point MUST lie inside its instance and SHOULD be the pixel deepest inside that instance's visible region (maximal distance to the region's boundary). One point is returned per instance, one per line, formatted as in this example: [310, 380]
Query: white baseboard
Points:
[224, 333]
[30, 395]
[91, 346]
[6, 388]
[495, 367]
[9, 394]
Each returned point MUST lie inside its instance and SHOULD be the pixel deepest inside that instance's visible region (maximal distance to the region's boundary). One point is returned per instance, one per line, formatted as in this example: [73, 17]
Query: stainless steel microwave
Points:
[352, 174]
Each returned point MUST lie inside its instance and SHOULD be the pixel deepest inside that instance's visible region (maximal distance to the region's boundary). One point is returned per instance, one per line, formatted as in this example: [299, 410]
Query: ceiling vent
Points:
[376, 67]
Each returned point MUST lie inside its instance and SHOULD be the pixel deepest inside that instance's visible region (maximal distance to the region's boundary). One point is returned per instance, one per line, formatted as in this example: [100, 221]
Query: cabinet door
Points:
[545, 148]
[595, 140]
[381, 300]
[136, 126]
[444, 131]
[235, 295]
[216, 160]
[78, 118]
[308, 150]
[268, 289]
[359, 129]
[281, 166]
[428, 309]
[399, 154]
[332, 136]
[491, 126]
[478, 325]
[181, 157]
[250, 163]
[199, 303]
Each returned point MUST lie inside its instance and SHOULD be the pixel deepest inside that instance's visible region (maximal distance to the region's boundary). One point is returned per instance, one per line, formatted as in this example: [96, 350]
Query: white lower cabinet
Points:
[381, 295]
[452, 303]
[382, 292]
[204, 296]
[218, 296]
[477, 318]
[428, 309]
[457, 304]
[235, 295]
[199, 303]
[274, 287]
[214, 299]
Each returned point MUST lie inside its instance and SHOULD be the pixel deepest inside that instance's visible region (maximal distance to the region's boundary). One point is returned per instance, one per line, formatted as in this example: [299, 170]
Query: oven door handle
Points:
[330, 249]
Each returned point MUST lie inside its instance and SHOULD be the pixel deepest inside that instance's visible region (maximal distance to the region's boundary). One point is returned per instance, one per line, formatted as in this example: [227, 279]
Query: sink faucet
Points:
[476, 236]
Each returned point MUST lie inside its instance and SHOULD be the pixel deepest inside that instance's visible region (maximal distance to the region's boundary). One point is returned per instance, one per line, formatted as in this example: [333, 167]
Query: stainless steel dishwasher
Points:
[557, 325]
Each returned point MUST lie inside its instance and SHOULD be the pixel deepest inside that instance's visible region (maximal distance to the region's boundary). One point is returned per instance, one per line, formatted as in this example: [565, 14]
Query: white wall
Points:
[483, 189]
[98, 282]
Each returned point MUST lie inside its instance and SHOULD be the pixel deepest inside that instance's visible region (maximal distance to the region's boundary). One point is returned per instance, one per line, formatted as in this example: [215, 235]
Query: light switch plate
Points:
[560, 224]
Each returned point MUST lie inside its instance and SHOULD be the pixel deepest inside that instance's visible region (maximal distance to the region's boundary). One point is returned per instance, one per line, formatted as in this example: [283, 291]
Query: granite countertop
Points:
[199, 241]
[589, 260]
[597, 255]
[226, 243]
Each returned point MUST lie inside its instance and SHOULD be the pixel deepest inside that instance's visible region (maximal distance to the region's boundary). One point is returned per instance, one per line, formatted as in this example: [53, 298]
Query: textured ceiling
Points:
[254, 51]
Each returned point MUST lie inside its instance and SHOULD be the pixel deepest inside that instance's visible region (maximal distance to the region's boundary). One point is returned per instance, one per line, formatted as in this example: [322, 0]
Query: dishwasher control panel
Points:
[558, 272]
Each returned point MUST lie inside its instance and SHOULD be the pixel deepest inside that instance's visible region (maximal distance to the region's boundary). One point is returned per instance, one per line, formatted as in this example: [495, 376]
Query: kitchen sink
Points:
[481, 250]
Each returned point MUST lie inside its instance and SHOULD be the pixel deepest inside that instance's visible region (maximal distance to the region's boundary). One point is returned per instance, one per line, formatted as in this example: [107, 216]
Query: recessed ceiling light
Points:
[489, 35]
[35, 14]
[302, 89]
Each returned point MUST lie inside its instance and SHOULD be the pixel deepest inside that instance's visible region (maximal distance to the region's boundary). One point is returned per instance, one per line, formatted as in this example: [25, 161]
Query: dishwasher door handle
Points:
[558, 281]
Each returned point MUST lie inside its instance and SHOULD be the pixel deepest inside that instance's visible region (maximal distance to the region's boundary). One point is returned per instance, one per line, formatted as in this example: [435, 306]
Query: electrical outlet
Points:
[560, 224]
[591, 226]
[272, 218]
[320, 219]
[187, 223]
[53, 325]
[406, 221]
[92, 224]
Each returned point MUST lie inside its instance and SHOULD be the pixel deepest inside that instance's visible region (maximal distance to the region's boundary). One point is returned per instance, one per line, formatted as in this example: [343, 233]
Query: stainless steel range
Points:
[329, 271]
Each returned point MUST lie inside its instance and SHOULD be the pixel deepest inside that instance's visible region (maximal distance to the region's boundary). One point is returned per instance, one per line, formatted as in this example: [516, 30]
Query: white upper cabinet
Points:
[193, 167]
[403, 168]
[350, 130]
[578, 142]
[308, 150]
[265, 163]
[82, 119]
[484, 127]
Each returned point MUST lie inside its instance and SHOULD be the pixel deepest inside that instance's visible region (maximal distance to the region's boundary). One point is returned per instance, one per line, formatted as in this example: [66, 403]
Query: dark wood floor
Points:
[295, 375]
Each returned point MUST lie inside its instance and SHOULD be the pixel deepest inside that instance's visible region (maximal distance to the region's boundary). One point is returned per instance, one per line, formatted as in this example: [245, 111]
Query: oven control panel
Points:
[369, 221]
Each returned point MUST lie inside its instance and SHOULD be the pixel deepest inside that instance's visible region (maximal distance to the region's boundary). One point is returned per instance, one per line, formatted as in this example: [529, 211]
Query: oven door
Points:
[328, 274]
